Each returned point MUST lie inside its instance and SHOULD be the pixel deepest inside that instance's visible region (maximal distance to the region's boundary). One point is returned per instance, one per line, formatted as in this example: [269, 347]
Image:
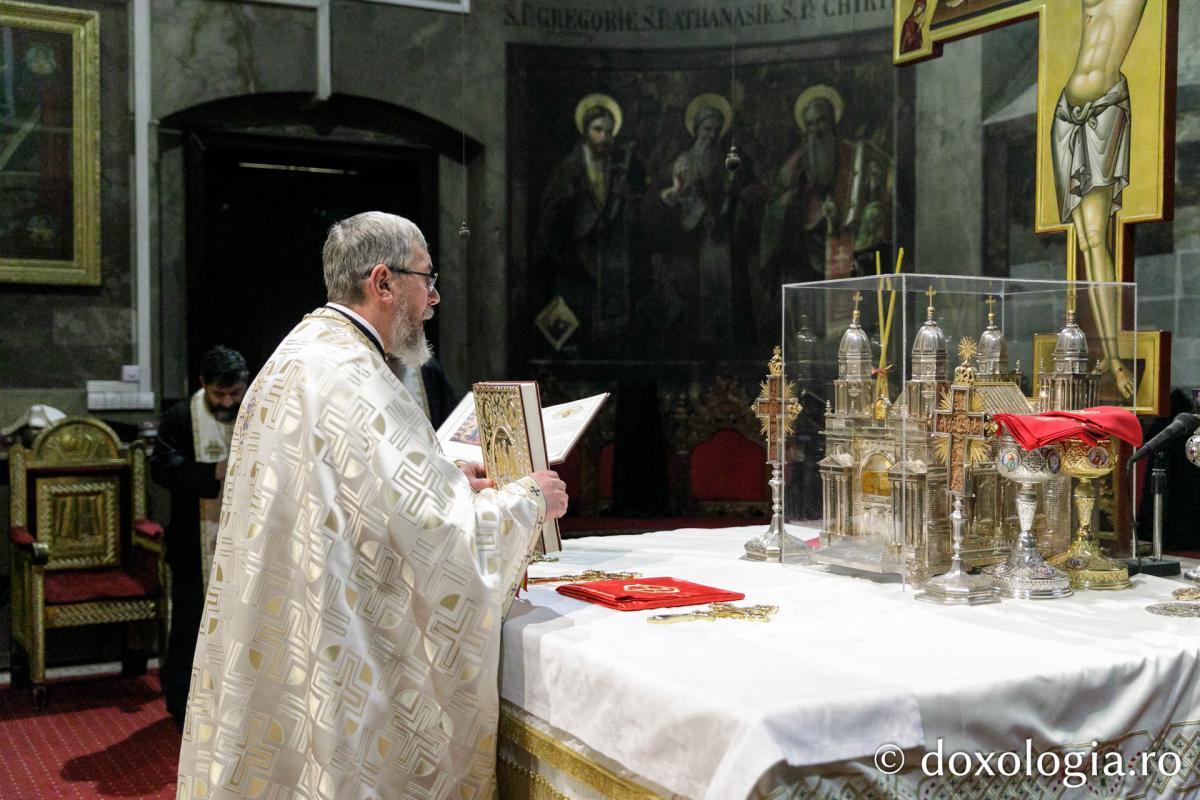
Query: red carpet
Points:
[99, 737]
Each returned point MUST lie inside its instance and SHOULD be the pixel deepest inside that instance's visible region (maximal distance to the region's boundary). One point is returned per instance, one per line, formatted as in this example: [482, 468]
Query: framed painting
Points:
[49, 145]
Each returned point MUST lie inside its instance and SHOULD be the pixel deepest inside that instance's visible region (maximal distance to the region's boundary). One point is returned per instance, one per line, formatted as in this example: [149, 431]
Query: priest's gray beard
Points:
[408, 338]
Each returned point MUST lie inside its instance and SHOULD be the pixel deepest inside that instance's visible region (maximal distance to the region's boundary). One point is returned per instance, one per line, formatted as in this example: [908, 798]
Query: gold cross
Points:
[991, 304]
[957, 426]
[930, 292]
[588, 575]
[760, 613]
[777, 400]
[856, 298]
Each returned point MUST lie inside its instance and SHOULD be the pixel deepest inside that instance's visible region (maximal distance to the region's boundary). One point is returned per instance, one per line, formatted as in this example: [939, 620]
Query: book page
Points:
[459, 433]
[565, 423]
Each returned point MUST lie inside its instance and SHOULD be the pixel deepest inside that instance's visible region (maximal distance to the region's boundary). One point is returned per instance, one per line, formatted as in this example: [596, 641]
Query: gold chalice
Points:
[1083, 561]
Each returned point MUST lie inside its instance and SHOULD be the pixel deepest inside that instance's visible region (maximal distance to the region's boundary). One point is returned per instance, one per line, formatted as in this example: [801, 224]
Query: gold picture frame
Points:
[1153, 359]
[49, 145]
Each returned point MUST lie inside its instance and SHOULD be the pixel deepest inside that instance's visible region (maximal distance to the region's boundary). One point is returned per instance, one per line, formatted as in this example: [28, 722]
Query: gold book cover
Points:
[513, 439]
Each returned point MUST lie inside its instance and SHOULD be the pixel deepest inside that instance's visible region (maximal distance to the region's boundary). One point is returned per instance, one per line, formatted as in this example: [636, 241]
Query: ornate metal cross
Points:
[959, 427]
[776, 405]
[587, 575]
[760, 613]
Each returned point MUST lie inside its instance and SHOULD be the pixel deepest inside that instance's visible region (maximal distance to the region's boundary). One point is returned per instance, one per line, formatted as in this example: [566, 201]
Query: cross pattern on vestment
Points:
[776, 405]
[959, 427]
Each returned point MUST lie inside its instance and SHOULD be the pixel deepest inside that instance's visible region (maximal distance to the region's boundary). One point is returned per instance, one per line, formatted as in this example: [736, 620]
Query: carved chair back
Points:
[77, 491]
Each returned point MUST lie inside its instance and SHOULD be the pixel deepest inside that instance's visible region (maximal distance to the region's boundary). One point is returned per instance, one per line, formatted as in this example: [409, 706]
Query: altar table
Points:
[600, 703]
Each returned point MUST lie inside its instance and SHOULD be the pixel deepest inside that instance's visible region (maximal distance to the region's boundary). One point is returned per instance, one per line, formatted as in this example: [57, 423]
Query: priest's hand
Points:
[477, 476]
[555, 491]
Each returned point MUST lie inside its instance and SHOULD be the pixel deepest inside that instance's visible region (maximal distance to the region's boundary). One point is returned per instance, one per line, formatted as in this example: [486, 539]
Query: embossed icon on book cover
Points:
[557, 322]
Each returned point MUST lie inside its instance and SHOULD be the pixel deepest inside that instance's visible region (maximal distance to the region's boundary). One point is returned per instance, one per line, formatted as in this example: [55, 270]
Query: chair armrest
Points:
[148, 535]
[39, 552]
[148, 528]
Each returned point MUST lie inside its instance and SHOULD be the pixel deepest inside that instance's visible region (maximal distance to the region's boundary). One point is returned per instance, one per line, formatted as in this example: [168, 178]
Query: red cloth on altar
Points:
[1089, 424]
[635, 594]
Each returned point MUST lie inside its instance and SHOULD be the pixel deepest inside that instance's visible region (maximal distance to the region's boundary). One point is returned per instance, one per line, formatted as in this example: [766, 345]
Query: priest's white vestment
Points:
[350, 639]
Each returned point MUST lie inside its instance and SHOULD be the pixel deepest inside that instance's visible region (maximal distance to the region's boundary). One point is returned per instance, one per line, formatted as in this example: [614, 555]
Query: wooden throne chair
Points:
[719, 467]
[83, 550]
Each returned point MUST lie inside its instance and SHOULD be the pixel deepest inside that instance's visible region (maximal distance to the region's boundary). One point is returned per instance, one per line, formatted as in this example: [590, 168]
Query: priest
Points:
[189, 460]
[350, 641]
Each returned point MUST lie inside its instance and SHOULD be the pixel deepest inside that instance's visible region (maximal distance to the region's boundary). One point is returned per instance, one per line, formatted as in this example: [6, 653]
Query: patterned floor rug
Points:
[105, 737]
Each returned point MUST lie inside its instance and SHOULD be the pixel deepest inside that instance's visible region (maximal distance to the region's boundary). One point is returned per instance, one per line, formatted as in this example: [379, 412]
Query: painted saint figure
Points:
[817, 204]
[1090, 136]
[704, 224]
[582, 245]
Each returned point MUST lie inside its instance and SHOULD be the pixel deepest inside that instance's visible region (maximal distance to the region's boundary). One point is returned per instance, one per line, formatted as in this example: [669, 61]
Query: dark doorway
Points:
[258, 212]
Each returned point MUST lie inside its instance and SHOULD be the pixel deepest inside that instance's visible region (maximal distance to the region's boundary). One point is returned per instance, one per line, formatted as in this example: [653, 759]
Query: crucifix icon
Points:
[991, 304]
[930, 292]
[958, 428]
[1105, 145]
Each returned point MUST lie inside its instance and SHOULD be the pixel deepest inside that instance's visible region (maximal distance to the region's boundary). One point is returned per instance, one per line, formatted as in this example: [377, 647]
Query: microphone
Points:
[1182, 425]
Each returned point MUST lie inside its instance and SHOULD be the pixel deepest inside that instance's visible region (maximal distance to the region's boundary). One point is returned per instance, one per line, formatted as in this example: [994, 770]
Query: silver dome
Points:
[929, 350]
[993, 350]
[992, 345]
[1071, 348]
[854, 352]
[930, 341]
[855, 343]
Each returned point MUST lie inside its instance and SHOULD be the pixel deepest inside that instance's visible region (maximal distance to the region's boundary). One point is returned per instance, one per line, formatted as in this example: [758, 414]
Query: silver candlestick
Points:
[775, 543]
[1026, 575]
[776, 409]
[956, 587]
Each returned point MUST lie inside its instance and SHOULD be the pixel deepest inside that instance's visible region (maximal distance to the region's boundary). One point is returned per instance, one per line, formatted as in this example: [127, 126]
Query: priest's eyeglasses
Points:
[430, 277]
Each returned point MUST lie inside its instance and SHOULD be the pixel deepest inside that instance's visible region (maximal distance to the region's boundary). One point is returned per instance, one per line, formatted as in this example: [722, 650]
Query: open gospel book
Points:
[503, 425]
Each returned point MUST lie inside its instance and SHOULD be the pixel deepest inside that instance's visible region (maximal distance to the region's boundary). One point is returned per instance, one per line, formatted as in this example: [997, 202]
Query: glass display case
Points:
[894, 380]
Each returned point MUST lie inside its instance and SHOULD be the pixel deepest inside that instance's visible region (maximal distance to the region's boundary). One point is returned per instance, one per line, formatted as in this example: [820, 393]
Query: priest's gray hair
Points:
[356, 244]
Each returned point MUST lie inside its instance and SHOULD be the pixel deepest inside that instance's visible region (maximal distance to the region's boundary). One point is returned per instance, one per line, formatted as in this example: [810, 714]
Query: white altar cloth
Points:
[850, 663]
